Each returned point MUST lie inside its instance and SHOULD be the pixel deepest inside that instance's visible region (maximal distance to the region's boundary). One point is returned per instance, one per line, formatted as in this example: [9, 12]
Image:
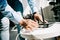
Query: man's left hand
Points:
[37, 17]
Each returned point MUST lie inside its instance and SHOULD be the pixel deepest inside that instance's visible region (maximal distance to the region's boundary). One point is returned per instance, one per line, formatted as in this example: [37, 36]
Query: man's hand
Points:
[29, 24]
[37, 16]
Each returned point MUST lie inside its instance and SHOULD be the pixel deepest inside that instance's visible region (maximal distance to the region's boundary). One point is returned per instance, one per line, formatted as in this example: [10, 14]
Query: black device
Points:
[29, 16]
[56, 10]
[45, 25]
[55, 3]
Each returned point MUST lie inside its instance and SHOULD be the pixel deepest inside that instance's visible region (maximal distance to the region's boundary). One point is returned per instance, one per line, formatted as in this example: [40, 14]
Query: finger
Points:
[31, 21]
[31, 24]
[34, 24]
[35, 19]
[46, 21]
[29, 27]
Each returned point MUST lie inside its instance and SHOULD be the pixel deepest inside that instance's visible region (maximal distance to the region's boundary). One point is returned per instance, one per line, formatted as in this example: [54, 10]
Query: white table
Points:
[42, 33]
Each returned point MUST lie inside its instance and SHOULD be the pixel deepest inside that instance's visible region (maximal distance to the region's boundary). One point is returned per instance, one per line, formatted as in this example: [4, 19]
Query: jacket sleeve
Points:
[32, 4]
[12, 15]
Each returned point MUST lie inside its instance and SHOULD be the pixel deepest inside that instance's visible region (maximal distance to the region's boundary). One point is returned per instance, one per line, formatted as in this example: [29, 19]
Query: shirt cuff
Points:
[35, 10]
[19, 17]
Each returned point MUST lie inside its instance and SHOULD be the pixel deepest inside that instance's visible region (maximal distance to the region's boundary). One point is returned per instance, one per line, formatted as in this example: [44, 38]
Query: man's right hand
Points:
[29, 24]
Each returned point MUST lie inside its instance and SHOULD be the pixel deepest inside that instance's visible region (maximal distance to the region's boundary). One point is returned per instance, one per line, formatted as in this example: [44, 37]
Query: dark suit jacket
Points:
[16, 5]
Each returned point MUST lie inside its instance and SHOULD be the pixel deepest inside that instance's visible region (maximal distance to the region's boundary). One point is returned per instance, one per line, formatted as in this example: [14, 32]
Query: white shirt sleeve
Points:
[12, 15]
[32, 4]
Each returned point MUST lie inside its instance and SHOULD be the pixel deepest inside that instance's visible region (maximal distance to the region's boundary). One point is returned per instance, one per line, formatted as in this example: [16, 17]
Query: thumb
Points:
[35, 19]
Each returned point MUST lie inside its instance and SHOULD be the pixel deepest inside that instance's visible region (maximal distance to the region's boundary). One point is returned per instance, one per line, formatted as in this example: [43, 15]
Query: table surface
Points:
[44, 33]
